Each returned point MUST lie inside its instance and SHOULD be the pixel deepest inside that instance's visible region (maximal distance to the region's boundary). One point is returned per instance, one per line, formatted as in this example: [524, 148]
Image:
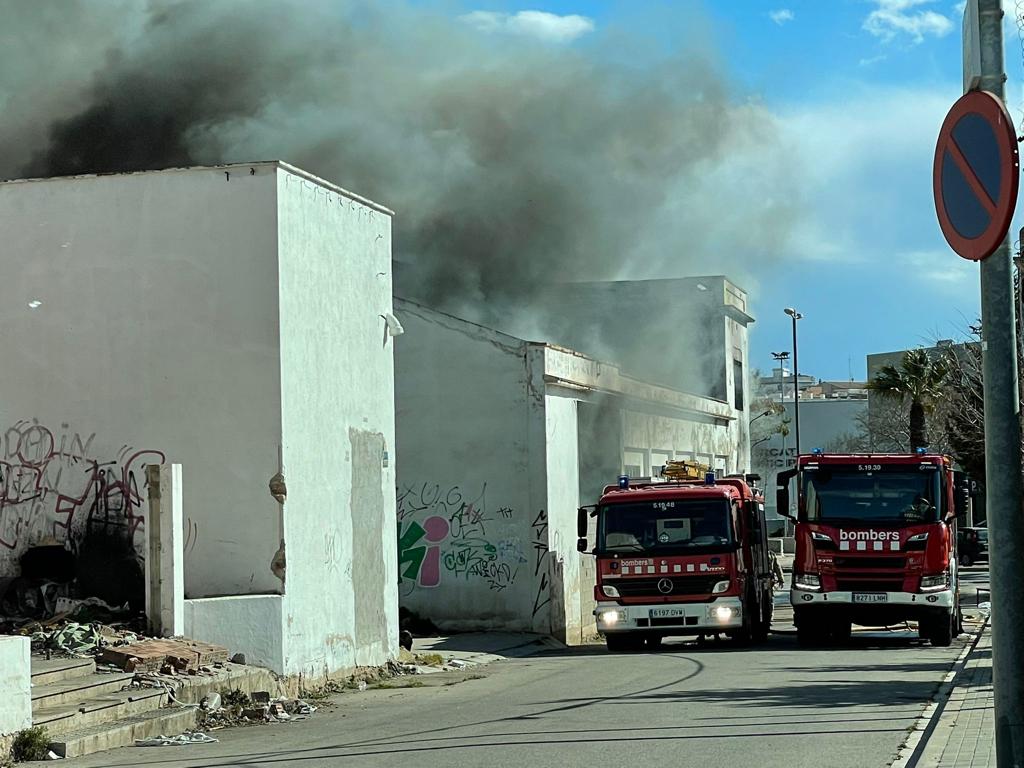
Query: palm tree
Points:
[920, 378]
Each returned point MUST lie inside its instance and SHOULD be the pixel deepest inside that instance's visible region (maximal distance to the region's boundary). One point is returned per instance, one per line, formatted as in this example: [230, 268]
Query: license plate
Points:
[666, 613]
[880, 597]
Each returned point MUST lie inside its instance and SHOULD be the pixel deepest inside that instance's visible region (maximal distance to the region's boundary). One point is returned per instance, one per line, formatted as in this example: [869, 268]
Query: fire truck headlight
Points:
[934, 583]
[722, 586]
[723, 613]
[609, 590]
[608, 618]
[809, 581]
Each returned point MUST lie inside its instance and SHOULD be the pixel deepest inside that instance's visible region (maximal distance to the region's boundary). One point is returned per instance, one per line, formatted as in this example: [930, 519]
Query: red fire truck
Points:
[686, 556]
[875, 544]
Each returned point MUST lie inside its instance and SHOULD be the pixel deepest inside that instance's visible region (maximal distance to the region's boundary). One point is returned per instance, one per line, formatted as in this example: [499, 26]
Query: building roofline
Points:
[279, 164]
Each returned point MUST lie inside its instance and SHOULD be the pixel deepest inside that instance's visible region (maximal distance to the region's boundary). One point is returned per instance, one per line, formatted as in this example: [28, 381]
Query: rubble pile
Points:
[235, 708]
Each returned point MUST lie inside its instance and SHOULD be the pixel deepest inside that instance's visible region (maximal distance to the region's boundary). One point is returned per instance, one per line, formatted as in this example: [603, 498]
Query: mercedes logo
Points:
[665, 586]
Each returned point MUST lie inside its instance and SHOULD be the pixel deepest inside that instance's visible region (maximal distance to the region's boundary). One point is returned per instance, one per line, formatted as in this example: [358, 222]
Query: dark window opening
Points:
[737, 383]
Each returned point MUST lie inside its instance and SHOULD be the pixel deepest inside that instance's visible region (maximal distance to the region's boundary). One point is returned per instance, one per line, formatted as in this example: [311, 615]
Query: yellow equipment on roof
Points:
[685, 470]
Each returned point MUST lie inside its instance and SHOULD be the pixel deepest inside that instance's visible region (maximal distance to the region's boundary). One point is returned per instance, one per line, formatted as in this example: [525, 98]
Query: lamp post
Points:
[796, 377]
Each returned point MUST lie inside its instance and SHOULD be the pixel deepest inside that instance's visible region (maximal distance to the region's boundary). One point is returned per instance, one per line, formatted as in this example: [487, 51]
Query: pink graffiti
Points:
[436, 530]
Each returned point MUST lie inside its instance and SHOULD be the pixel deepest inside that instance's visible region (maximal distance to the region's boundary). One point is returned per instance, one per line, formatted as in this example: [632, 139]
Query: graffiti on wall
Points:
[443, 533]
[539, 529]
[54, 484]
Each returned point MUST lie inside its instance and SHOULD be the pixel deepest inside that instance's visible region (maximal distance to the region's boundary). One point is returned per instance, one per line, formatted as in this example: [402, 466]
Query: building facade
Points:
[500, 441]
[230, 320]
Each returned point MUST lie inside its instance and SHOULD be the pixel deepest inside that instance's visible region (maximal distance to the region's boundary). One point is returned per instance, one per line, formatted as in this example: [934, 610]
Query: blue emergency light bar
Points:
[709, 478]
[623, 481]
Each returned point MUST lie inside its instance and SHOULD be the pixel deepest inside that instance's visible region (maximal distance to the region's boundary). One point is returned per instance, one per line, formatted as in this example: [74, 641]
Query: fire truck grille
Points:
[681, 585]
[893, 563]
[869, 585]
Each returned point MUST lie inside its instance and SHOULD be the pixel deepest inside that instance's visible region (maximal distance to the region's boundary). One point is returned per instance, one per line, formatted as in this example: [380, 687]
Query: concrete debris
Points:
[457, 663]
[362, 685]
[176, 741]
[167, 656]
[238, 658]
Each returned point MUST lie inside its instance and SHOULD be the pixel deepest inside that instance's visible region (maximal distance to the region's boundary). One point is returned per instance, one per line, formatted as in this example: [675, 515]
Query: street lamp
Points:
[796, 377]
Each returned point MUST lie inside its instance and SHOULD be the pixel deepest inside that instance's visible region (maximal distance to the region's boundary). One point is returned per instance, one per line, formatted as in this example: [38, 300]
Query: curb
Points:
[911, 751]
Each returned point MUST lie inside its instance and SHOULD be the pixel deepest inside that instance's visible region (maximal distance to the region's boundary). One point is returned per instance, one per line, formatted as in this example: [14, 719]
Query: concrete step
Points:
[170, 721]
[78, 689]
[65, 718]
[49, 671]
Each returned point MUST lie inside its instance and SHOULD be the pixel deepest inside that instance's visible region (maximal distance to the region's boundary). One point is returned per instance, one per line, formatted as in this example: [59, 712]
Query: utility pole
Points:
[1003, 485]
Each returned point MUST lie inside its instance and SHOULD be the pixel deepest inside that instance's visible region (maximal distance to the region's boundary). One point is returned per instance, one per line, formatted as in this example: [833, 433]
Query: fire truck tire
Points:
[840, 630]
[764, 624]
[811, 632]
[941, 629]
[624, 643]
[966, 560]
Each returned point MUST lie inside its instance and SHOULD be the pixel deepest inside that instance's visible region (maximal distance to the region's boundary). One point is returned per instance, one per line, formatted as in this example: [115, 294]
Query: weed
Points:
[30, 744]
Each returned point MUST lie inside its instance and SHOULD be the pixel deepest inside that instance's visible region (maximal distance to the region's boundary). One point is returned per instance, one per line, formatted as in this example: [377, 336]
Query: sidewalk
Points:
[964, 734]
[471, 649]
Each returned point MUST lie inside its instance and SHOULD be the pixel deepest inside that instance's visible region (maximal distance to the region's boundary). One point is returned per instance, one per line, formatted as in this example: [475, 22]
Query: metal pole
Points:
[1002, 451]
[796, 387]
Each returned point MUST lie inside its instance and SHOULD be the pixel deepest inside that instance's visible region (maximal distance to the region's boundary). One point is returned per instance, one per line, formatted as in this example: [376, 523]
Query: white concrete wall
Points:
[337, 384]
[248, 624]
[562, 562]
[139, 317]
[465, 511]
[822, 423]
[658, 435]
[15, 685]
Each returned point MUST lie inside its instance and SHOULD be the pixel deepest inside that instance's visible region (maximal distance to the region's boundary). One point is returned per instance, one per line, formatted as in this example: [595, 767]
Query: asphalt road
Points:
[687, 705]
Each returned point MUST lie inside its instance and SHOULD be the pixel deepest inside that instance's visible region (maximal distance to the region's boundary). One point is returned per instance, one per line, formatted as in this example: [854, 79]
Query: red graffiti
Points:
[48, 483]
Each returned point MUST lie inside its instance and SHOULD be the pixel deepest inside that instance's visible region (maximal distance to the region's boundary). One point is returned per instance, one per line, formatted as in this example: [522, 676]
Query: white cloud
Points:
[542, 25]
[872, 60]
[905, 17]
[781, 16]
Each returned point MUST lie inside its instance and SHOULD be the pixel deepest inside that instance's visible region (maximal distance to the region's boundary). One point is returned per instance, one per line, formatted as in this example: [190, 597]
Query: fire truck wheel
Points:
[654, 642]
[811, 635]
[840, 630]
[623, 643]
[966, 560]
[940, 629]
[764, 623]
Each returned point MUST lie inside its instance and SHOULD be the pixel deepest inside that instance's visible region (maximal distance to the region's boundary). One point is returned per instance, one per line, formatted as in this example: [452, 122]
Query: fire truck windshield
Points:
[665, 525]
[871, 494]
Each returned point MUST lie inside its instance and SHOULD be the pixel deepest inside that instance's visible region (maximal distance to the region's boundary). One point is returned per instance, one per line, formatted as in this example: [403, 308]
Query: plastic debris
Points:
[457, 663]
[362, 685]
[211, 703]
[176, 741]
[73, 639]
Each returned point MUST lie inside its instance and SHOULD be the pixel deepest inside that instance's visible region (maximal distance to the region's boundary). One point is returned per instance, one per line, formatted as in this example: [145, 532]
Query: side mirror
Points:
[581, 522]
[581, 546]
[782, 493]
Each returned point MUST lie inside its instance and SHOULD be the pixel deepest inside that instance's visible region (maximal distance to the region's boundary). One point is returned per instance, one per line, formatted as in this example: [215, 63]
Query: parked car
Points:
[972, 544]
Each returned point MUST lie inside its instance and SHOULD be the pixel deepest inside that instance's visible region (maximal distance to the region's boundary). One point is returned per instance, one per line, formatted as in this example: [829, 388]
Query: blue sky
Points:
[858, 89]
